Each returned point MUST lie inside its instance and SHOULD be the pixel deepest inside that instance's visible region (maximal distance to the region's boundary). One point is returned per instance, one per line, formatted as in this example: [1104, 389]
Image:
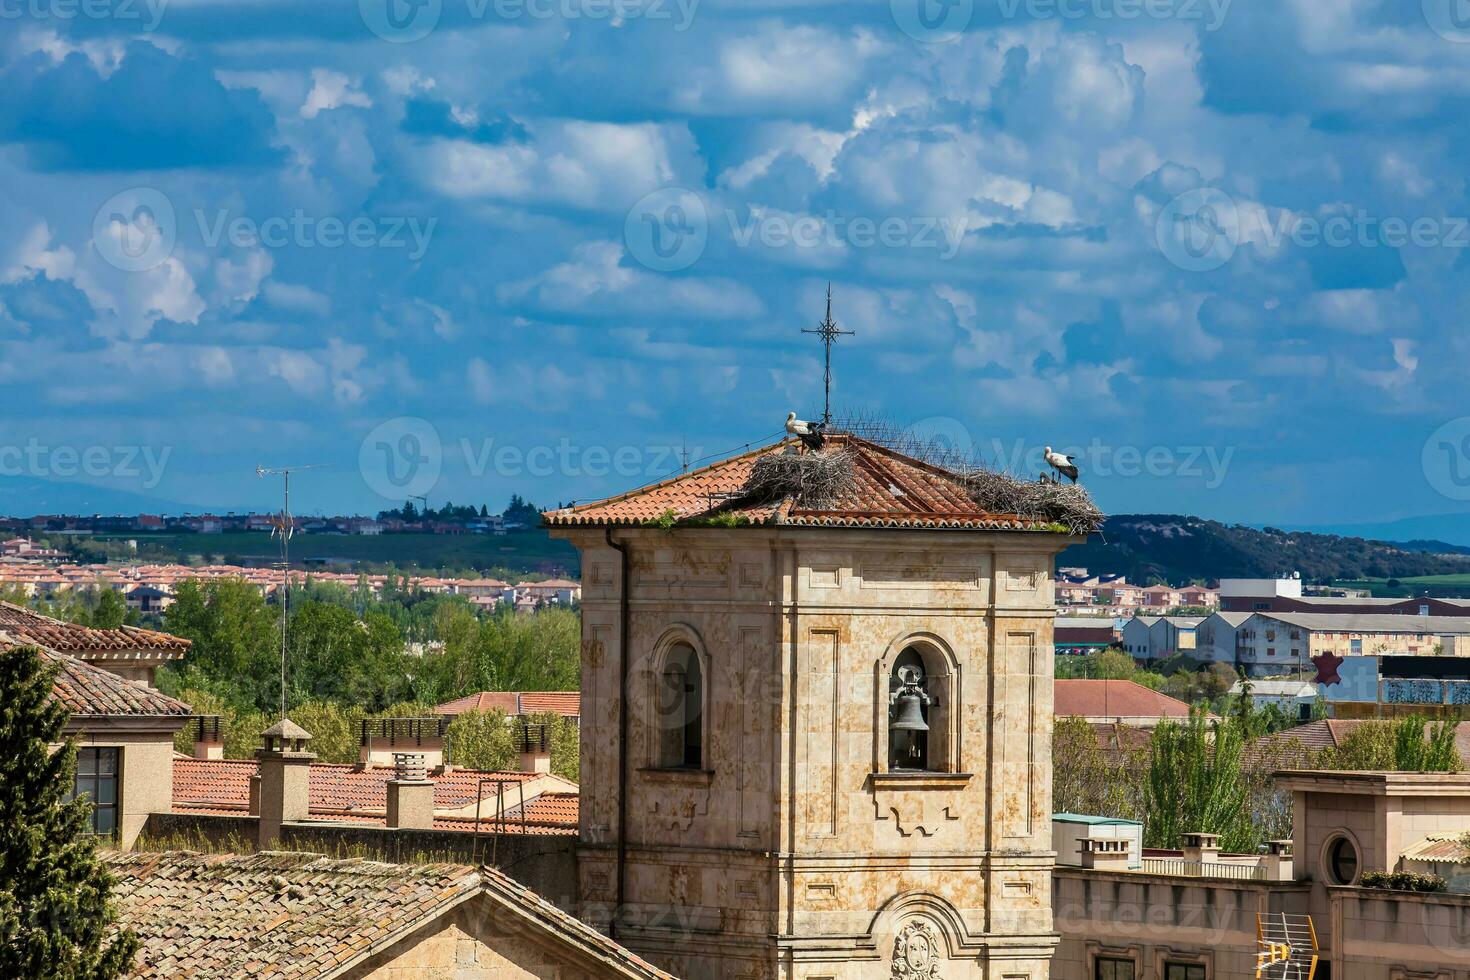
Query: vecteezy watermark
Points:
[401, 458]
[1446, 459]
[143, 463]
[938, 21]
[405, 21]
[404, 457]
[137, 230]
[932, 21]
[1210, 14]
[834, 230]
[305, 231]
[1450, 19]
[1097, 459]
[667, 230]
[1200, 230]
[147, 14]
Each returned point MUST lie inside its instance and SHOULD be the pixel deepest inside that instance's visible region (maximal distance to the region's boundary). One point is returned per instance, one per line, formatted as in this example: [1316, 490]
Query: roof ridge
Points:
[669, 481]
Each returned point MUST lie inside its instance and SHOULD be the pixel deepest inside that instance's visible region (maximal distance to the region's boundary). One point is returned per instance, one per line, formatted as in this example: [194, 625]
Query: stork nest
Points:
[1063, 504]
[814, 479]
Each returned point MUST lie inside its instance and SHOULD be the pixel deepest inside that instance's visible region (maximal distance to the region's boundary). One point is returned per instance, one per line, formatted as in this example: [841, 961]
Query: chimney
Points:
[1278, 860]
[534, 744]
[410, 793]
[1200, 848]
[1107, 854]
[209, 737]
[382, 739]
[285, 773]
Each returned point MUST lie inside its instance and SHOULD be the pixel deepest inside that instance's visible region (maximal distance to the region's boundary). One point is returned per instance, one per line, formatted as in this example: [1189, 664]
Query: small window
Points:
[1184, 971]
[1342, 861]
[1113, 969]
[680, 710]
[96, 779]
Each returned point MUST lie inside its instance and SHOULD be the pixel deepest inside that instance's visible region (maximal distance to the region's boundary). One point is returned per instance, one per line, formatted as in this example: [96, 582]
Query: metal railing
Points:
[532, 738]
[402, 731]
[1178, 867]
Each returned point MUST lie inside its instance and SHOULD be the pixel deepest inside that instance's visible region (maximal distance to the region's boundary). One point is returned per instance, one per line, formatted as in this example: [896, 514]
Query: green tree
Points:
[55, 915]
[482, 740]
[1195, 783]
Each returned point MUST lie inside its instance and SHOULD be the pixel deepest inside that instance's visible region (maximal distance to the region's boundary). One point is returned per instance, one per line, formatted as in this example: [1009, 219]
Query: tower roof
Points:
[875, 487]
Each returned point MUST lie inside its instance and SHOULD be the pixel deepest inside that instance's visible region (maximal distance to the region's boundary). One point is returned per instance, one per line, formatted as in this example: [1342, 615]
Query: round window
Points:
[1342, 861]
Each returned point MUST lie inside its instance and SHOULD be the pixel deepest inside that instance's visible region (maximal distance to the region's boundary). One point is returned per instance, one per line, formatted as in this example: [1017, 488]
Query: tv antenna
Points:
[829, 333]
[283, 526]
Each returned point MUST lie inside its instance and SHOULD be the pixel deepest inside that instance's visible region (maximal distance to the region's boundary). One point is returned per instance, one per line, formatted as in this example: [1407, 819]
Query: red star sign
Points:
[1327, 665]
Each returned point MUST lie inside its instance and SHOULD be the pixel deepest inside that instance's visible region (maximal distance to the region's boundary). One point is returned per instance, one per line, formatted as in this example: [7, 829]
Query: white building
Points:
[1215, 636]
[1294, 697]
[1160, 637]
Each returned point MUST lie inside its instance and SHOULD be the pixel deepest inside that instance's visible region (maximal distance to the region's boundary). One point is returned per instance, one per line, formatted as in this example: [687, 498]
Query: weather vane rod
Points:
[829, 333]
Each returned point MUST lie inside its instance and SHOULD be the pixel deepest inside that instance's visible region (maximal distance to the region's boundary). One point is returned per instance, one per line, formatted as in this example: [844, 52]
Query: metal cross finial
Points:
[828, 331]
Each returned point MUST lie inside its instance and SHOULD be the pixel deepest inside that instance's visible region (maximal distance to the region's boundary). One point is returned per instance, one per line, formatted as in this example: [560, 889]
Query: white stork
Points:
[1065, 465]
[810, 433]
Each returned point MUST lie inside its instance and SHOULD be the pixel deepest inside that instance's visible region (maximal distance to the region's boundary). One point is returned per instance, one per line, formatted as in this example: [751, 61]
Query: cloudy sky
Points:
[469, 247]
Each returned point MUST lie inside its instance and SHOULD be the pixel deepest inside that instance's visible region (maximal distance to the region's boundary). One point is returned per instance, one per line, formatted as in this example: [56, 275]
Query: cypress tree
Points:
[55, 917]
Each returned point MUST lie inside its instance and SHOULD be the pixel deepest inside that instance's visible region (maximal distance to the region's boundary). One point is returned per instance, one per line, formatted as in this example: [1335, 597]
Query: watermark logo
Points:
[932, 21]
[135, 230]
[667, 230]
[837, 231]
[1446, 459]
[143, 464]
[1195, 231]
[401, 458]
[401, 21]
[149, 12]
[302, 230]
[948, 438]
[1450, 19]
[1210, 14]
[1201, 230]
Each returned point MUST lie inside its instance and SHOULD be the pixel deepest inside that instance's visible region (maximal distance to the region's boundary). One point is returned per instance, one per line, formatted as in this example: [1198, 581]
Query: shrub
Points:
[1403, 881]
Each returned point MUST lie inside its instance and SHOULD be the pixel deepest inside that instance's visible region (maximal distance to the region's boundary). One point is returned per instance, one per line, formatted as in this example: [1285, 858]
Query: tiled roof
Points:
[1328, 733]
[85, 690]
[274, 914]
[889, 490]
[30, 626]
[1114, 699]
[1373, 623]
[333, 788]
[565, 703]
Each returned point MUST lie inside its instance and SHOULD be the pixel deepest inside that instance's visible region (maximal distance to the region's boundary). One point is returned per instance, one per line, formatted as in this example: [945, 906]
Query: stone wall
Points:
[793, 852]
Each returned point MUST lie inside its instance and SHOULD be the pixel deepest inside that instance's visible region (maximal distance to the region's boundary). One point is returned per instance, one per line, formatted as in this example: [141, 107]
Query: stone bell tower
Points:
[817, 709]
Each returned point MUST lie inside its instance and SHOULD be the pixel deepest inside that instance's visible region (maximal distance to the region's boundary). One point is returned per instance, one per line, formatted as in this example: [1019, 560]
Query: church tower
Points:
[816, 718]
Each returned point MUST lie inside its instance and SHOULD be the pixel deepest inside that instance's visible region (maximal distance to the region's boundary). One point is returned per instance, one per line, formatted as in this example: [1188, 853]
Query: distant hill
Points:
[1177, 548]
[22, 496]
[1431, 528]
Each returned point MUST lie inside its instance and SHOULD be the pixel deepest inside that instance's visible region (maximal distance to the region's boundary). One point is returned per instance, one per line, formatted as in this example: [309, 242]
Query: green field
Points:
[1445, 585]
[522, 551]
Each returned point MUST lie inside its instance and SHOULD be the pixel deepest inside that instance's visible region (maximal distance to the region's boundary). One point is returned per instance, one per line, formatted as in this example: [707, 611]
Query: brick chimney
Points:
[410, 793]
[209, 737]
[1200, 848]
[381, 739]
[285, 772]
[1278, 860]
[534, 744]
[1107, 854]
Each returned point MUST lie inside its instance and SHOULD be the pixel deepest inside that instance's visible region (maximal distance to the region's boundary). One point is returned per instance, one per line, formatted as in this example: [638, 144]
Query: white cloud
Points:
[332, 90]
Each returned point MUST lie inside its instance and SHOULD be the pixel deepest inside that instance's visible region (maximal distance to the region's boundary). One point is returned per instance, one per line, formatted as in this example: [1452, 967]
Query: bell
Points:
[908, 713]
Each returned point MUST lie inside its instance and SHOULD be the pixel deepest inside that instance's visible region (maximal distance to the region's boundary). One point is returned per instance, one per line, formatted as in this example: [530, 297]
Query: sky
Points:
[469, 248]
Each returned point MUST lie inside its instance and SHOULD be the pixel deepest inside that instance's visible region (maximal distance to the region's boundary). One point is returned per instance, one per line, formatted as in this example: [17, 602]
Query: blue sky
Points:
[472, 247]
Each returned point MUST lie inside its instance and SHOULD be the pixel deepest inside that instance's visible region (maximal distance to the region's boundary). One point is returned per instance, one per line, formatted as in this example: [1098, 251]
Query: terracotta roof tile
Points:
[565, 703]
[85, 690]
[273, 913]
[1114, 699]
[29, 626]
[333, 787]
[889, 490]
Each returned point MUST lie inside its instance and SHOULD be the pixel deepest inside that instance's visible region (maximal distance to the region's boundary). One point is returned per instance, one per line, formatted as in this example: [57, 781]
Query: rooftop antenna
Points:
[829, 333]
[684, 455]
[283, 526]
